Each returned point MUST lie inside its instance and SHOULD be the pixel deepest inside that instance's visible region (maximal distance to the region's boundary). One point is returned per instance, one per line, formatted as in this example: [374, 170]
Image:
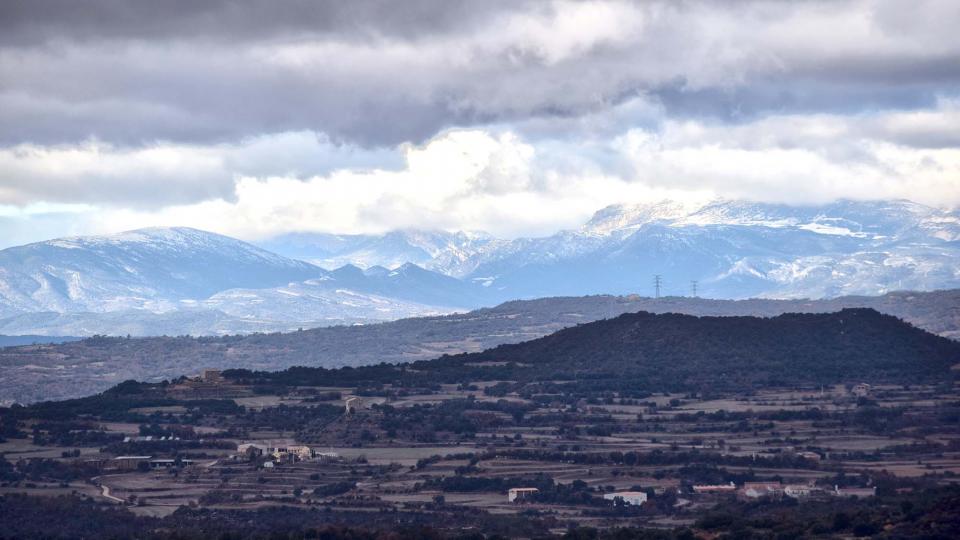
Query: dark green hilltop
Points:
[646, 352]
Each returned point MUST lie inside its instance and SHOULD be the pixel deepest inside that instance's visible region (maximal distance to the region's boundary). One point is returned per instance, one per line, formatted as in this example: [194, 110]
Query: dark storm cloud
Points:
[379, 73]
[746, 103]
[30, 22]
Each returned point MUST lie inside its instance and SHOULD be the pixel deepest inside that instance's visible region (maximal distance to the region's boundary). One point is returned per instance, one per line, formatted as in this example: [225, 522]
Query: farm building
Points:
[813, 456]
[249, 449]
[300, 452]
[719, 488]
[519, 494]
[326, 456]
[755, 490]
[799, 491]
[854, 492]
[352, 404]
[169, 463]
[634, 498]
[130, 463]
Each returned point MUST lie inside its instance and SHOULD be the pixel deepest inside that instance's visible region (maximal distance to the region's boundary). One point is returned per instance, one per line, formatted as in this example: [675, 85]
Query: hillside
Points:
[92, 365]
[150, 269]
[683, 351]
[644, 352]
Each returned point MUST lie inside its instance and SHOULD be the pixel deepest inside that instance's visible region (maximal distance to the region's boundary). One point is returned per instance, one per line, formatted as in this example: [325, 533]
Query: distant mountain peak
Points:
[150, 269]
[618, 217]
[161, 238]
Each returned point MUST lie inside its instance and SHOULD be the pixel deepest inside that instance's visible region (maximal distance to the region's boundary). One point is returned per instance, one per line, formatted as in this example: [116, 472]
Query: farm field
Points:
[456, 448]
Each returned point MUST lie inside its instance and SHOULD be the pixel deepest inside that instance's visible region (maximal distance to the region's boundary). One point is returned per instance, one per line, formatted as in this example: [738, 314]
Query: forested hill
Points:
[852, 343]
[644, 351]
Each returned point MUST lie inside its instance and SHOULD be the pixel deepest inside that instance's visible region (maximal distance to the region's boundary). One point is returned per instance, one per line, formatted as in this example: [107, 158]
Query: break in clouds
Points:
[511, 117]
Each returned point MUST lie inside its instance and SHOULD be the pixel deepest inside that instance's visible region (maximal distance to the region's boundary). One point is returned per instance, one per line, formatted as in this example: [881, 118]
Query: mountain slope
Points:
[635, 354]
[681, 351]
[454, 254]
[149, 269]
[181, 280]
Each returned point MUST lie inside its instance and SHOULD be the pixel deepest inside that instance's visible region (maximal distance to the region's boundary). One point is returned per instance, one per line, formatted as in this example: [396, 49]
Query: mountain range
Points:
[185, 281]
[733, 249]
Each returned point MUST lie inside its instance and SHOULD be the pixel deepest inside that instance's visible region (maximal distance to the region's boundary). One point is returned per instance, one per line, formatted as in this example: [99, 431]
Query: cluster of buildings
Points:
[284, 453]
[133, 463]
[634, 498]
[714, 488]
[756, 490]
[149, 438]
[749, 490]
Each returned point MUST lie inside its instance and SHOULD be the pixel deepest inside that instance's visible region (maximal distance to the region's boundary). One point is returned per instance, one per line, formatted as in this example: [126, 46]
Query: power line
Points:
[693, 286]
[657, 282]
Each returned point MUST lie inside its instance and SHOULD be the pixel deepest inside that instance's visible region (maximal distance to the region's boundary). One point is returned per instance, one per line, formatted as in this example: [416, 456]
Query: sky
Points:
[516, 118]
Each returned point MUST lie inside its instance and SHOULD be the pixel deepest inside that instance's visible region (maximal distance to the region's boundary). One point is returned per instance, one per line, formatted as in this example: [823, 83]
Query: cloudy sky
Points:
[259, 117]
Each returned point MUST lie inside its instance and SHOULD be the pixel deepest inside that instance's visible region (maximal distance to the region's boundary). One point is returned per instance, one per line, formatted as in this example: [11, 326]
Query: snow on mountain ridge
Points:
[619, 217]
[149, 269]
[846, 217]
[147, 272]
[448, 253]
[733, 249]
[170, 238]
[738, 249]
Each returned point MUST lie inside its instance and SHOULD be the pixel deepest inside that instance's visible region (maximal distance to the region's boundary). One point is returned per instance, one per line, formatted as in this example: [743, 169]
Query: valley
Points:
[435, 446]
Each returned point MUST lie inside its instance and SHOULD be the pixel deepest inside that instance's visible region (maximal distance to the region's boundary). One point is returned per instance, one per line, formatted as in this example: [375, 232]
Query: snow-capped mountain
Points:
[188, 281]
[179, 276]
[455, 254]
[315, 303]
[736, 249]
[149, 269]
[733, 249]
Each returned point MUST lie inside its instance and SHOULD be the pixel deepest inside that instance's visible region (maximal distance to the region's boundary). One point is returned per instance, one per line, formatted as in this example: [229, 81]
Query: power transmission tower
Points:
[657, 282]
[693, 286]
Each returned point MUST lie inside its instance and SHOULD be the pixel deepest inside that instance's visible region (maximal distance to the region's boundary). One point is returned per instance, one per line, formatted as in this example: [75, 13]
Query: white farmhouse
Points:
[519, 494]
[634, 498]
[352, 404]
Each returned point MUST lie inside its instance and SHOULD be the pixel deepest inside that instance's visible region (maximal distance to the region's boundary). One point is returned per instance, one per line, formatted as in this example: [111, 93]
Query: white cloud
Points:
[797, 159]
[510, 179]
[499, 182]
[164, 174]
